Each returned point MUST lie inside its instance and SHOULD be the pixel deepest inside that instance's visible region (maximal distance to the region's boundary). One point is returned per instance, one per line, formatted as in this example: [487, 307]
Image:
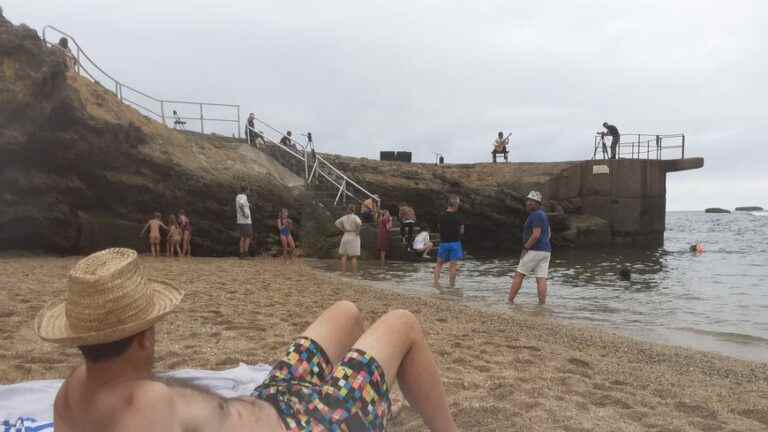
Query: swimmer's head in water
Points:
[625, 274]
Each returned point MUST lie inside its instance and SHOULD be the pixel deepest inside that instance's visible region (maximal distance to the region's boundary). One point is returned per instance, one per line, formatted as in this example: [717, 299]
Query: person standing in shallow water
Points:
[537, 250]
[450, 250]
[385, 233]
[349, 247]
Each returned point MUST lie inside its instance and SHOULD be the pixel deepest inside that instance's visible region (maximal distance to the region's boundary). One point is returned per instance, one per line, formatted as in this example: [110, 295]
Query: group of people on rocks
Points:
[178, 239]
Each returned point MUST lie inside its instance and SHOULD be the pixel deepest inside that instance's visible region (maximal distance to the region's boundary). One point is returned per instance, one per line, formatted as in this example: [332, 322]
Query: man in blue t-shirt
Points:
[534, 260]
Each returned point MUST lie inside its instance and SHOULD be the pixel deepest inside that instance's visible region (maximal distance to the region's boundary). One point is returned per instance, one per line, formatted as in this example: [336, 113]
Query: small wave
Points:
[740, 338]
[759, 213]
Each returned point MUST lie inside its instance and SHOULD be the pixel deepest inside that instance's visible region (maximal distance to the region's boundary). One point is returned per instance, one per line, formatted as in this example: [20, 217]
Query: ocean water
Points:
[715, 301]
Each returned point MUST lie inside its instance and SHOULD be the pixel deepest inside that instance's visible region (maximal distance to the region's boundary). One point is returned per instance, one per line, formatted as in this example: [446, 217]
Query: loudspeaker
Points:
[387, 155]
[403, 156]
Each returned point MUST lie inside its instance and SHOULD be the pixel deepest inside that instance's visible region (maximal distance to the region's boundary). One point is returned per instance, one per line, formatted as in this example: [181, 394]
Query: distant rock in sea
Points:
[750, 209]
[716, 210]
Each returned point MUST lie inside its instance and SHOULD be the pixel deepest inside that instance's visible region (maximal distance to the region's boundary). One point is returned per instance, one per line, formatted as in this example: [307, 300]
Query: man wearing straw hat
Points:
[335, 376]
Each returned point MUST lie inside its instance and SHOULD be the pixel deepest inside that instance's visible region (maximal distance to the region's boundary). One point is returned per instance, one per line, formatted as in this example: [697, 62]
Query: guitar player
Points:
[500, 146]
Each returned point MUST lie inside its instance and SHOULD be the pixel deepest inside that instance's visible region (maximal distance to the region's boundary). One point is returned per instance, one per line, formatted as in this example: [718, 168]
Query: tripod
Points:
[604, 147]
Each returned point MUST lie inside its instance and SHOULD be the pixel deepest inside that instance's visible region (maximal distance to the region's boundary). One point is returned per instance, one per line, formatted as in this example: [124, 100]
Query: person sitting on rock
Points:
[336, 376]
[421, 243]
[287, 141]
[407, 217]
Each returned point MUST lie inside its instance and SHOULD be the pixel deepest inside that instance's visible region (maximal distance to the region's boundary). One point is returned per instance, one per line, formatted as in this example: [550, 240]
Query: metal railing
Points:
[162, 110]
[640, 146]
[315, 166]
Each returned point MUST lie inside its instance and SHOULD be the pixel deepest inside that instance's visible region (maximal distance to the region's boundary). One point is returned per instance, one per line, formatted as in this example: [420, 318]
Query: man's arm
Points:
[535, 234]
[144, 230]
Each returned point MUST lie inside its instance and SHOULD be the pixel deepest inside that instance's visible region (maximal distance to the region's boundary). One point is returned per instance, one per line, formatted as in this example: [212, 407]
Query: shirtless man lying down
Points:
[335, 376]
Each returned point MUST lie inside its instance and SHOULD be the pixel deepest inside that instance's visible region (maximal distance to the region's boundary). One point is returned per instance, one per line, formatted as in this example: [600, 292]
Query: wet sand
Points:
[503, 372]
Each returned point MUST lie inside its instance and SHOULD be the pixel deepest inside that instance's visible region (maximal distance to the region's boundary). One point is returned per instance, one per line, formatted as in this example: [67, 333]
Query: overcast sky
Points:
[445, 76]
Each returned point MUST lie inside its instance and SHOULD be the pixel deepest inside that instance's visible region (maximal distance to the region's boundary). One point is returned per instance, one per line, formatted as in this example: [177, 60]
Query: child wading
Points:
[154, 226]
[174, 237]
[284, 224]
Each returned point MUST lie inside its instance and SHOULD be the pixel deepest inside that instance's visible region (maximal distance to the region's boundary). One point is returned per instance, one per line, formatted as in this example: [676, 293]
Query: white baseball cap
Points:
[535, 196]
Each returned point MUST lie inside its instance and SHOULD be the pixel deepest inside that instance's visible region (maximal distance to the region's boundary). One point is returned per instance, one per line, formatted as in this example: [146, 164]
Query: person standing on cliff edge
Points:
[537, 250]
[613, 131]
[244, 226]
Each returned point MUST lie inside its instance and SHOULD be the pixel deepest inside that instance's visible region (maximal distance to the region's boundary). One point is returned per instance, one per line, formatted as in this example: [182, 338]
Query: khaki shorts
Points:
[350, 245]
[534, 263]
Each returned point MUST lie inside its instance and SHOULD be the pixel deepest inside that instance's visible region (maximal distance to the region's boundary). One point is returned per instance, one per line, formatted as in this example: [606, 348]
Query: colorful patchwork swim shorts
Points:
[310, 394]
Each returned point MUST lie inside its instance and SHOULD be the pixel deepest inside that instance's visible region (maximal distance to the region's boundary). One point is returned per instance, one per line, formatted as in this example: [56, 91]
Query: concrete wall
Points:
[629, 194]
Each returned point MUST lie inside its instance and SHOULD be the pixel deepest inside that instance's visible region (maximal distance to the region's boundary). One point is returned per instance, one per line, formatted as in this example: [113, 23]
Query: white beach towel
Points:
[28, 406]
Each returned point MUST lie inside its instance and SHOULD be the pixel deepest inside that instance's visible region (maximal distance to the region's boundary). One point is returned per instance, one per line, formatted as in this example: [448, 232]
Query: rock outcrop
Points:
[716, 210]
[79, 170]
[749, 208]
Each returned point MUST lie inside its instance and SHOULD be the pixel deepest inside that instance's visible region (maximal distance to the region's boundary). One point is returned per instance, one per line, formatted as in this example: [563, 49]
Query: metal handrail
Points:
[316, 166]
[654, 144]
[119, 87]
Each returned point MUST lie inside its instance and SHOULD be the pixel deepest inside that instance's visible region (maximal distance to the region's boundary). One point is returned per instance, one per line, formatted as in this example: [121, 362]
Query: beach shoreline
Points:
[502, 371]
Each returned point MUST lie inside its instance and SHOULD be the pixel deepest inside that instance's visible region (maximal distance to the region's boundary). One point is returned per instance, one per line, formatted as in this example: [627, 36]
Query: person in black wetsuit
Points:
[613, 131]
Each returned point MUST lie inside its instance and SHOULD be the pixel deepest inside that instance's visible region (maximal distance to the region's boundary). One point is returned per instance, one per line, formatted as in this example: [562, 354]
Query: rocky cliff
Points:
[80, 171]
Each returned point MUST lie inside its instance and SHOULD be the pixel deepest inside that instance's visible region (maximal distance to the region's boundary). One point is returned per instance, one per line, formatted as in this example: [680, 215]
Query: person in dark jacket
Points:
[613, 131]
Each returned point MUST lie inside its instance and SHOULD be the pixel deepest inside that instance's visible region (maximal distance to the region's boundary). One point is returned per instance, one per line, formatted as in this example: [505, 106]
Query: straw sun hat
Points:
[108, 299]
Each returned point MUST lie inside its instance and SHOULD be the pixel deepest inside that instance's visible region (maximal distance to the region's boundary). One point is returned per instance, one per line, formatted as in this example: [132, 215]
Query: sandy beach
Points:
[502, 371]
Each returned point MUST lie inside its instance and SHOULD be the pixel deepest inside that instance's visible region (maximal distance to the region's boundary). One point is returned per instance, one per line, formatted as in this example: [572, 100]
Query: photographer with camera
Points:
[613, 131]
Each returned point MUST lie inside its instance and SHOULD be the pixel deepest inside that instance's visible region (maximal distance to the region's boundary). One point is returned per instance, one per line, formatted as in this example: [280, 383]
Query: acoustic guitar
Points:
[499, 147]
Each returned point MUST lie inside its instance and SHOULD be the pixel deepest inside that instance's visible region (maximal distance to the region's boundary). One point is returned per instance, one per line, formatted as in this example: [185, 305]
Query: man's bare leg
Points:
[453, 269]
[397, 342]
[436, 276]
[541, 287]
[336, 329]
[517, 283]
[343, 263]
[354, 264]
[383, 256]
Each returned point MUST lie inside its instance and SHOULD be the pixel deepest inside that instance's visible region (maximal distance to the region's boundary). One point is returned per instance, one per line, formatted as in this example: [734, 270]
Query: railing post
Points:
[77, 66]
[202, 128]
[238, 122]
[162, 111]
[682, 156]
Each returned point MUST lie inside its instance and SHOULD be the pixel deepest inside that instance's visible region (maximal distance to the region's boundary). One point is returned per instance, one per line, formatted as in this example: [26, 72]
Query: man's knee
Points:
[349, 311]
[405, 320]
